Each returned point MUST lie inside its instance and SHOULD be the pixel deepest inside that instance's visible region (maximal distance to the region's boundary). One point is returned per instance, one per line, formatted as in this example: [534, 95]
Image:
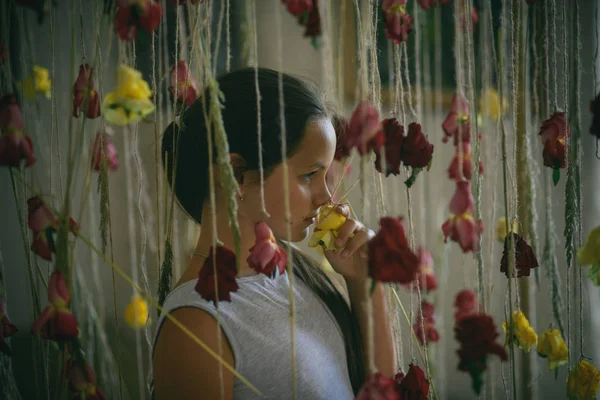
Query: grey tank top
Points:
[256, 323]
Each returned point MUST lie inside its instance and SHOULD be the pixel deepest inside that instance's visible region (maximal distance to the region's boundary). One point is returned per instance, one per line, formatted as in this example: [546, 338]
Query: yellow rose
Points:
[501, 228]
[489, 104]
[523, 334]
[136, 312]
[328, 223]
[589, 253]
[130, 101]
[553, 347]
[38, 82]
[582, 382]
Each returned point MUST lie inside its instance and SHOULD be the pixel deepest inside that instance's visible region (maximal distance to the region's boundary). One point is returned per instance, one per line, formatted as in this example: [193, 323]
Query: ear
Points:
[239, 167]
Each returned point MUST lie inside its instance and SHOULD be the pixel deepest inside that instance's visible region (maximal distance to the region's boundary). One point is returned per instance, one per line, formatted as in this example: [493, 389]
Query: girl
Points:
[329, 332]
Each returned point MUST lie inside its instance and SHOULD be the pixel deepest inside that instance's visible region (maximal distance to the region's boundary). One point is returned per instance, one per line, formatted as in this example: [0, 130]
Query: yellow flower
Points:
[328, 223]
[130, 101]
[523, 334]
[582, 382]
[37, 82]
[589, 254]
[489, 104]
[136, 312]
[501, 228]
[553, 347]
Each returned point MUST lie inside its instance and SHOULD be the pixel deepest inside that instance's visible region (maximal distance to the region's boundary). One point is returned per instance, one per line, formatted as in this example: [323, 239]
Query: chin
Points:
[299, 234]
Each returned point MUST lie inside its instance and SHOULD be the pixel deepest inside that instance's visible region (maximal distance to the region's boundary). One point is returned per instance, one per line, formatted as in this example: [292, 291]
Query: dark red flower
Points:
[6, 330]
[378, 387]
[364, 130]
[312, 22]
[266, 254]
[136, 15]
[394, 138]
[85, 96]
[467, 169]
[595, 109]
[3, 53]
[397, 21]
[340, 125]
[104, 149]
[477, 335]
[14, 145]
[416, 150]
[83, 384]
[474, 19]
[390, 257]
[424, 326]
[462, 227]
[554, 132]
[466, 304]
[226, 266]
[427, 4]
[180, 2]
[413, 386]
[524, 256]
[457, 121]
[183, 83]
[57, 322]
[425, 278]
[298, 7]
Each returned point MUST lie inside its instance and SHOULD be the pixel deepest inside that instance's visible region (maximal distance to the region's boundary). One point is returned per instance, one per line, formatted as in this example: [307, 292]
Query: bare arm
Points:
[184, 370]
[384, 348]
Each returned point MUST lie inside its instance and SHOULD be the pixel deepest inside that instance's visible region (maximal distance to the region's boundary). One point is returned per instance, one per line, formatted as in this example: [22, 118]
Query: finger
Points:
[343, 209]
[360, 238]
[345, 231]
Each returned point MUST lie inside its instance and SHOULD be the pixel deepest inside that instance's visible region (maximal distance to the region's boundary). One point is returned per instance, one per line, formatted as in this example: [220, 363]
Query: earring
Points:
[241, 197]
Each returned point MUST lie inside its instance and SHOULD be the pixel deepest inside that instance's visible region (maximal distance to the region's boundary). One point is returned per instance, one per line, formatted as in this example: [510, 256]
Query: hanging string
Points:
[228, 35]
[327, 62]
[406, 68]
[400, 111]
[156, 124]
[340, 62]
[554, 41]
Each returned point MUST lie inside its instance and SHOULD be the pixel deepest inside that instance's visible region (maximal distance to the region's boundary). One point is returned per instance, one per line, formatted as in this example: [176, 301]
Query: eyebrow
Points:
[317, 165]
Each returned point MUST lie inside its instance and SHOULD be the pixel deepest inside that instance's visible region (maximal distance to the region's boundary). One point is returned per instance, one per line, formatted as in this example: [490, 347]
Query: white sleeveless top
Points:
[256, 323]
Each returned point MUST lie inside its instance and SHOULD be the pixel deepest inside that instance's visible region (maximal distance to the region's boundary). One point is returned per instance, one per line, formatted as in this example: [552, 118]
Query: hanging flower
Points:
[266, 254]
[462, 227]
[183, 83]
[130, 101]
[312, 22]
[397, 21]
[583, 382]
[416, 150]
[589, 253]
[425, 279]
[457, 120]
[37, 82]
[554, 132]
[466, 304]
[553, 347]
[523, 334]
[6, 330]
[489, 104]
[57, 322]
[427, 4]
[524, 255]
[413, 386]
[394, 137]
[378, 387]
[465, 160]
[104, 149]
[136, 312]
[226, 266]
[390, 257]
[474, 19]
[364, 130]
[83, 384]
[180, 2]
[595, 110]
[3, 53]
[424, 327]
[501, 228]
[133, 15]
[14, 145]
[85, 96]
[329, 221]
[477, 335]
[298, 7]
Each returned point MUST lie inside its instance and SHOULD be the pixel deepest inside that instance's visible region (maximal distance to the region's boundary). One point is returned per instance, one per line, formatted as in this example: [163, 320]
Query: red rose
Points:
[103, 148]
[465, 303]
[364, 130]
[183, 83]
[266, 255]
[298, 7]
[378, 387]
[467, 169]
[150, 16]
[457, 121]
[226, 273]
[83, 384]
[554, 132]
[394, 138]
[424, 325]
[416, 150]
[135, 15]
[57, 322]
[397, 21]
[390, 257]
[524, 256]
[312, 22]
[425, 278]
[427, 4]
[85, 96]
[415, 385]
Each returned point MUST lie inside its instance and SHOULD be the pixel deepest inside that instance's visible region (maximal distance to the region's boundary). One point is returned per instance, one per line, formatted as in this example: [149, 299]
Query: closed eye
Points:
[308, 177]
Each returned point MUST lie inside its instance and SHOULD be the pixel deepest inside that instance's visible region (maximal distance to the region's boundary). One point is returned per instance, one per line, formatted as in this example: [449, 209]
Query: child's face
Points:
[307, 185]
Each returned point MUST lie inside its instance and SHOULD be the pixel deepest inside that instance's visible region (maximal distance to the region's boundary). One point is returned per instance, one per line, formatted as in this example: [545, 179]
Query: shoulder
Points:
[182, 367]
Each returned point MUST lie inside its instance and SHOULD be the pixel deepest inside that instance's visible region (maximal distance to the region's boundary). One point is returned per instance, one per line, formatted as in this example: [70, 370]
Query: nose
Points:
[321, 194]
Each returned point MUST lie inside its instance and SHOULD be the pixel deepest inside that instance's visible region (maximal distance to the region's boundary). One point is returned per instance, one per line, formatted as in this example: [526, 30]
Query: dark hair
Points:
[302, 104]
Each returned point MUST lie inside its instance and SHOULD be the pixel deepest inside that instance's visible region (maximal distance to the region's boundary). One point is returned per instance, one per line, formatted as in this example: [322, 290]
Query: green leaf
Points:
[413, 177]
[556, 176]
[594, 274]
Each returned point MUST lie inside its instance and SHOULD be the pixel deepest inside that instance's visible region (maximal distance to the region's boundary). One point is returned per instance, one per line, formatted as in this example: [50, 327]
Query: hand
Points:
[350, 260]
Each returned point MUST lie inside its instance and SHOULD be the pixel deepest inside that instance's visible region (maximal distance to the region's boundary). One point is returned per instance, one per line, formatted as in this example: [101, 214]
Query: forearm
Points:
[383, 347]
